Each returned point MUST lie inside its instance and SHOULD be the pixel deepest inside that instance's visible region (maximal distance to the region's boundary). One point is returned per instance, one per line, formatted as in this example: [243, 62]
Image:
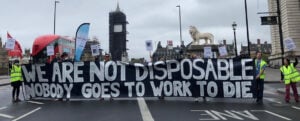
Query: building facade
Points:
[117, 34]
[87, 52]
[166, 53]
[3, 59]
[290, 17]
[265, 48]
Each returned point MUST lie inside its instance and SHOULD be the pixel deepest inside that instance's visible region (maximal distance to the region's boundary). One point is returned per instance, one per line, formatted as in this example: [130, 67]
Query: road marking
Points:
[3, 108]
[274, 114]
[35, 102]
[270, 92]
[298, 108]
[272, 100]
[6, 116]
[146, 115]
[27, 114]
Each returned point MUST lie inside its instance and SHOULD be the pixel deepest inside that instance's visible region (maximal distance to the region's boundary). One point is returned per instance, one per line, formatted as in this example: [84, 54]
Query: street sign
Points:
[269, 20]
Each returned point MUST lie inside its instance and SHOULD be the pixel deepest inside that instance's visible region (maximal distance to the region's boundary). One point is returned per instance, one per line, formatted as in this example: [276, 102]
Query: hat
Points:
[16, 61]
[64, 54]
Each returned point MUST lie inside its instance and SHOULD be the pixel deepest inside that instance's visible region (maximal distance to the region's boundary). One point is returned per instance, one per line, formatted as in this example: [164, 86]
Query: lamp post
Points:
[280, 28]
[247, 27]
[179, 7]
[235, 46]
[55, 2]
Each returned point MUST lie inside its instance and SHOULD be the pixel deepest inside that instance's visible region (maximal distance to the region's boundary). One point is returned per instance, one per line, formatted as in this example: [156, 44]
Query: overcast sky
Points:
[155, 20]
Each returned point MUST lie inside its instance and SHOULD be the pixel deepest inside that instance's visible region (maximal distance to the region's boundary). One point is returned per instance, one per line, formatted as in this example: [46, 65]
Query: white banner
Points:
[95, 50]
[207, 52]
[289, 44]
[10, 44]
[50, 50]
[223, 51]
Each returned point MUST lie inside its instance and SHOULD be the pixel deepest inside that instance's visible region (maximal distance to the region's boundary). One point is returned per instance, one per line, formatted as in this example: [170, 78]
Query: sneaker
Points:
[287, 101]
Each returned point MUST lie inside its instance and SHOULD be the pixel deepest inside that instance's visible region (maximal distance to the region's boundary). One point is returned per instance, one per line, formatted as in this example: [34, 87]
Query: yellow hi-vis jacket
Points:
[262, 64]
[15, 73]
[290, 74]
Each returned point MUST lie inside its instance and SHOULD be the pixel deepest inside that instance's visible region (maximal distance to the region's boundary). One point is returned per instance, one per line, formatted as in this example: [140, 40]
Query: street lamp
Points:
[234, 28]
[179, 10]
[55, 2]
[247, 27]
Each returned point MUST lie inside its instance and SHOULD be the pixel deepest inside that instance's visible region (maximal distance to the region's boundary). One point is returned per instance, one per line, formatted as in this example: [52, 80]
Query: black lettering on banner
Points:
[221, 78]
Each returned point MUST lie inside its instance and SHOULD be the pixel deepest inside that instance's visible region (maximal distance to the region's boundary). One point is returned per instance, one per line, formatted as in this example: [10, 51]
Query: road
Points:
[171, 109]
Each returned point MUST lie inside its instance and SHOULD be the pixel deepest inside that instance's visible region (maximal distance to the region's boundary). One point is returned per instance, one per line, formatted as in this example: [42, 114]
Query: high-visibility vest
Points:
[290, 74]
[262, 64]
[15, 73]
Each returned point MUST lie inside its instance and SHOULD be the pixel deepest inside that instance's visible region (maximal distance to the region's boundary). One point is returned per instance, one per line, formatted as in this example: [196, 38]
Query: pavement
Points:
[273, 108]
[4, 80]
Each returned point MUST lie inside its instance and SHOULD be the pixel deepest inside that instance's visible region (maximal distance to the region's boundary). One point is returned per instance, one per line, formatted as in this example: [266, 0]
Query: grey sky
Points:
[155, 20]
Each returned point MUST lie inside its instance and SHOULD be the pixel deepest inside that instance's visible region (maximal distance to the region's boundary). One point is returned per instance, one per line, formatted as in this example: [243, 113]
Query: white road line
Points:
[274, 114]
[6, 116]
[273, 100]
[35, 102]
[3, 108]
[270, 92]
[146, 115]
[298, 108]
[27, 114]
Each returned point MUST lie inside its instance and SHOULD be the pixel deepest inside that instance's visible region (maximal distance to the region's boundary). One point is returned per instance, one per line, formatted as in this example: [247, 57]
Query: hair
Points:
[257, 52]
[288, 60]
[16, 61]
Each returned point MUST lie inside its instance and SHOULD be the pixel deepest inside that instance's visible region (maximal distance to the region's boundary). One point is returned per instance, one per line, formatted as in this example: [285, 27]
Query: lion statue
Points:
[196, 35]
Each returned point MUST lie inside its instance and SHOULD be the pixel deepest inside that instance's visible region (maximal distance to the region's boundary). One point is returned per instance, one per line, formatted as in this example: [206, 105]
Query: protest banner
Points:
[289, 44]
[50, 50]
[216, 78]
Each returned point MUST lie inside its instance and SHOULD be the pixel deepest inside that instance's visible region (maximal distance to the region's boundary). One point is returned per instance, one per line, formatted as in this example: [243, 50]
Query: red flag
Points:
[17, 51]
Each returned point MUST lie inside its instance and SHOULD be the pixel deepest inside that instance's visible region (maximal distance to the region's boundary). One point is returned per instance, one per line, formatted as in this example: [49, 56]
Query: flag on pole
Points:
[15, 50]
[81, 39]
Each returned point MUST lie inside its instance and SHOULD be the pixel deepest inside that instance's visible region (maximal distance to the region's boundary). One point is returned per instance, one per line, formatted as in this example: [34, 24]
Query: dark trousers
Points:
[16, 89]
[259, 88]
[287, 91]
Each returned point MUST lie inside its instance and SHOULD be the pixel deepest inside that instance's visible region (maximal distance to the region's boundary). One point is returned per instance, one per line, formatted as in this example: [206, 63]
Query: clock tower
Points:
[117, 34]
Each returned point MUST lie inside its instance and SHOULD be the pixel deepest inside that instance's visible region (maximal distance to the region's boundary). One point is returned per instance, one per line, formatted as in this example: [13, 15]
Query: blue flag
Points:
[80, 39]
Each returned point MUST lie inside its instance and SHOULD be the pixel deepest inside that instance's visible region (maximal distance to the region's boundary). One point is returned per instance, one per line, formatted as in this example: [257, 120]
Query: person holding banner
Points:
[57, 58]
[260, 66]
[290, 76]
[16, 80]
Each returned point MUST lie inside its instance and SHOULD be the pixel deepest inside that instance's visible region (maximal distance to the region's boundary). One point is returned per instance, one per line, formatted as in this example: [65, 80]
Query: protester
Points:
[260, 66]
[106, 57]
[65, 57]
[194, 56]
[290, 76]
[16, 80]
[57, 58]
